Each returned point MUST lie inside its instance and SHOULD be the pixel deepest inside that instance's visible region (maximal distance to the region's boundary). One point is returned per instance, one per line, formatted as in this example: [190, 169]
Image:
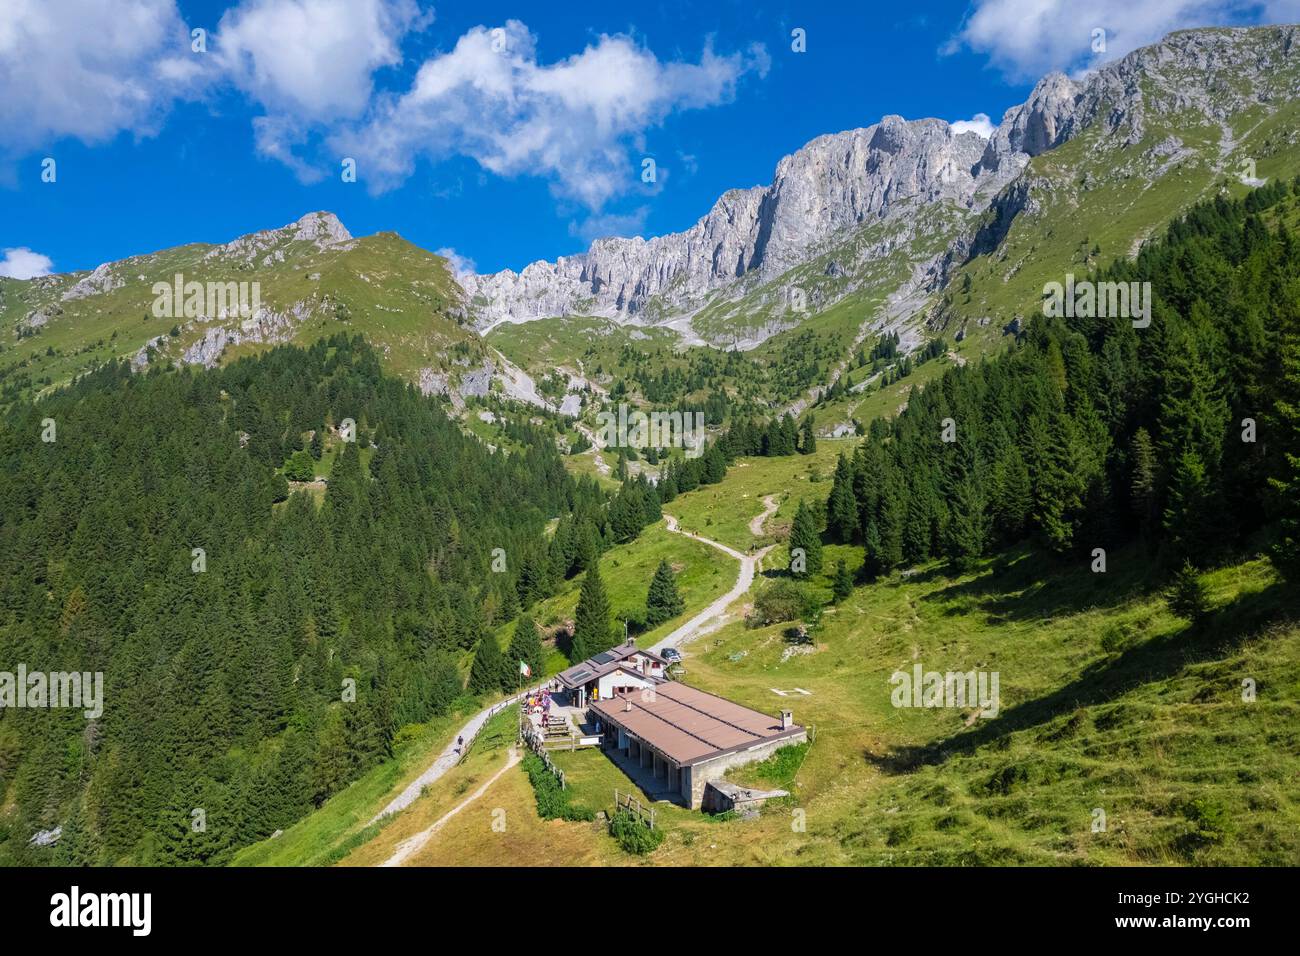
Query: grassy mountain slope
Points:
[1093, 200]
[399, 296]
[1108, 701]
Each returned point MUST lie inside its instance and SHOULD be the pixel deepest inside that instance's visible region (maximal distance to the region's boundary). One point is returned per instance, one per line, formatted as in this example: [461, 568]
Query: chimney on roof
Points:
[627, 704]
[787, 720]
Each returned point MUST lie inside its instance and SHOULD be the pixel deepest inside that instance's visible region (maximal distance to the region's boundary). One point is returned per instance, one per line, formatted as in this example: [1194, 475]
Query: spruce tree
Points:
[804, 536]
[808, 437]
[1286, 481]
[526, 645]
[488, 669]
[1189, 598]
[841, 507]
[591, 628]
[874, 565]
[663, 602]
[842, 586]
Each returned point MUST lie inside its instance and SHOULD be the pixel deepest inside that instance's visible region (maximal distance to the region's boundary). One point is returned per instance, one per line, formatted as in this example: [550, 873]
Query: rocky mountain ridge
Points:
[842, 182]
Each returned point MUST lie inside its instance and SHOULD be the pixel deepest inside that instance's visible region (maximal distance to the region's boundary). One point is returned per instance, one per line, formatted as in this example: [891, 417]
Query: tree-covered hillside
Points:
[228, 672]
[1093, 432]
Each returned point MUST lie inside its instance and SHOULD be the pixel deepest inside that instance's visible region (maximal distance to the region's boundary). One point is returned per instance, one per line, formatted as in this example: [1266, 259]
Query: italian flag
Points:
[525, 669]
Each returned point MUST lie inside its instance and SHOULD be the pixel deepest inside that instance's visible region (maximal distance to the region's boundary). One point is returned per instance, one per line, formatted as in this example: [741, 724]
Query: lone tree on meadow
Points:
[842, 585]
[663, 602]
[1189, 598]
[805, 541]
[591, 630]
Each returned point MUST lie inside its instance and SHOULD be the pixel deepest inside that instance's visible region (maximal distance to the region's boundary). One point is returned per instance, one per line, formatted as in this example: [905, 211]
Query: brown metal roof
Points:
[687, 725]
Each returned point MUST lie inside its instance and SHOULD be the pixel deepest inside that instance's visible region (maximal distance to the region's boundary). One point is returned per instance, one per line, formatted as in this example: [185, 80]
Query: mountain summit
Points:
[841, 184]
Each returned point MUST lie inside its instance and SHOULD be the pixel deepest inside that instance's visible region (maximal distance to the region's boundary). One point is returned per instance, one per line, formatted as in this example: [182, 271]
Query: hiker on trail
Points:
[460, 742]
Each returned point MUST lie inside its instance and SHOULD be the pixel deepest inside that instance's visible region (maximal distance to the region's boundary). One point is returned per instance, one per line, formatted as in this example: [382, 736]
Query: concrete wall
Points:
[701, 773]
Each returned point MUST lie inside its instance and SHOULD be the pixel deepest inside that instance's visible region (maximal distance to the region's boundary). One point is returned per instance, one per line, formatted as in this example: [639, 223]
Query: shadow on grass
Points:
[1156, 659]
[1030, 586]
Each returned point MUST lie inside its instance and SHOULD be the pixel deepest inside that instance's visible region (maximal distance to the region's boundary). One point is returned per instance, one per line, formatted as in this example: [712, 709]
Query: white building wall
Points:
[608, 682]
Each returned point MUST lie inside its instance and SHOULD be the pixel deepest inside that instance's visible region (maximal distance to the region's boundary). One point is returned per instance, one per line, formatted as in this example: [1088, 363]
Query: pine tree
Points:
[663, 602]
[918, 529]
[1286, 481]
[488, 669]
[874, 565]
[804, 537]
[967, 531]
[591, 628]
[842, 585]
[808, 439]
[526, 646]
[1189, 598]
[842, 507]
[1142, 486]
[1189, 516]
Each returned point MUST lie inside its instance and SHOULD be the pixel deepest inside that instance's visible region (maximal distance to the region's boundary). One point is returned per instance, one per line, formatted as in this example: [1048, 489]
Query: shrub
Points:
[633, 835]
[552, 799]
[1209, 821]
[782, 600]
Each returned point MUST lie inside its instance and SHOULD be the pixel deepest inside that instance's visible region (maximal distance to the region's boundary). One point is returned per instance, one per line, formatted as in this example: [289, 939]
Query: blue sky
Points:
[507, 132]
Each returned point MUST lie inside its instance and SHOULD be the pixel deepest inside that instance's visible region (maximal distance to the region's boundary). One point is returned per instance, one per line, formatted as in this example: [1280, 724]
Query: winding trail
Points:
[449, 757]
[714, 616]
[706, 622]
[413, 844]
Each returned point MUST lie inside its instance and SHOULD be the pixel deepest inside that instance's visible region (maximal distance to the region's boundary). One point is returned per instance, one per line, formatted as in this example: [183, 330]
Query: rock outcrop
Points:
[841, 182]
[834, 184]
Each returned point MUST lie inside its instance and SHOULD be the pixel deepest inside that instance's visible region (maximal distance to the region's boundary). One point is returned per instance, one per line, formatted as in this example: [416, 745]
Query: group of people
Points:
[539, 702]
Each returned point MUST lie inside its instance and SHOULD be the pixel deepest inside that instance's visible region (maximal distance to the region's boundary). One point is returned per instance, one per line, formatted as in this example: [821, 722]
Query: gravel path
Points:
[412, 845]
[714, 616]
[446, 760]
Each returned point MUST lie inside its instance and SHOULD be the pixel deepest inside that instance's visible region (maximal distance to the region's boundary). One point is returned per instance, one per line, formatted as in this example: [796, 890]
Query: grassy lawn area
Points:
[723, 511]
[1106, 702]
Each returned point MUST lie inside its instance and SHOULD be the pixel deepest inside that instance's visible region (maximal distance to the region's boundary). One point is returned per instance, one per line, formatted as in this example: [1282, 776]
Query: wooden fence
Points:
[495, 709]
[632, 804]
[538, 746]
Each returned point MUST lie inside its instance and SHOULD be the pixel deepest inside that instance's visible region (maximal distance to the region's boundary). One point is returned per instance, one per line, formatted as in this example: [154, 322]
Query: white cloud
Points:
[1027, 38]
[310, 63]
[461, 266]
[572, 121]
[979, 124]
[314, 59]
[89, 68]
[22, 263]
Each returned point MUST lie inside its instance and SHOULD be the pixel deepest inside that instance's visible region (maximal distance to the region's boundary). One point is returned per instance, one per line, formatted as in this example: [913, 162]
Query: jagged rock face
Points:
[845, 180]
[321, 229]
[834, 183]
[103, 279]
[265, 326]
[1168, 77]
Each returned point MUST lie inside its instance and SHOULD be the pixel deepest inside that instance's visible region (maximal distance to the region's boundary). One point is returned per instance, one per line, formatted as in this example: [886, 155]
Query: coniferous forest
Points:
[1092, 434]
[154, 540]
